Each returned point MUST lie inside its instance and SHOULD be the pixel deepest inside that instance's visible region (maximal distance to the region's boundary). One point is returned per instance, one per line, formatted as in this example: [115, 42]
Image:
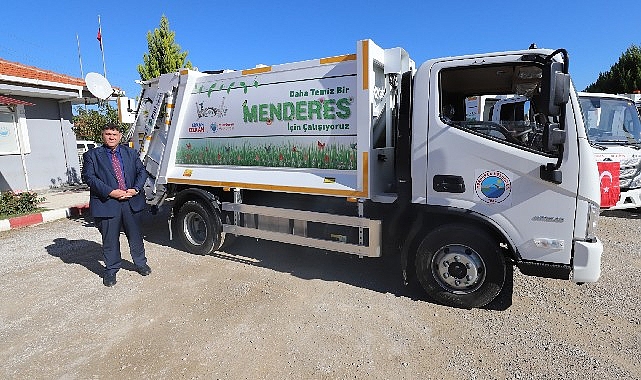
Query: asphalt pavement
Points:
[58, 203]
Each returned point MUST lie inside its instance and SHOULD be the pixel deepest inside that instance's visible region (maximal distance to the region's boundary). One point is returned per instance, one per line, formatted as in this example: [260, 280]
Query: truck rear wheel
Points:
[460, 266]
[199, 228]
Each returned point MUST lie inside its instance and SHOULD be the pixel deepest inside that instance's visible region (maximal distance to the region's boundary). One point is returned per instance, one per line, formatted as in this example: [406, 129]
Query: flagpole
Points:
[102, 50]
[82, 74]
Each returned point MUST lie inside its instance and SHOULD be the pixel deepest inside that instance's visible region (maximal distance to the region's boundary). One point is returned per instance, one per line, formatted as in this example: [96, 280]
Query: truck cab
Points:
[614, 132]
[516, 171]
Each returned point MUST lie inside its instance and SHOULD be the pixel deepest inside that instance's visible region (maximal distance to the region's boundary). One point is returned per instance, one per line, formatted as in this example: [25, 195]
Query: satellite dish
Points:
[98, 86]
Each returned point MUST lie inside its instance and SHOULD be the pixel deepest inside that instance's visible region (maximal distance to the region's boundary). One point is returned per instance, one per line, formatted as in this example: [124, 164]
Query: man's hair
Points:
[111, 126]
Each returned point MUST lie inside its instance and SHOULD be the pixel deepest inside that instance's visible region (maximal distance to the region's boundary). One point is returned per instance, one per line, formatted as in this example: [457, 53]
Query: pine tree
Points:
[165, 55]
[623, 77]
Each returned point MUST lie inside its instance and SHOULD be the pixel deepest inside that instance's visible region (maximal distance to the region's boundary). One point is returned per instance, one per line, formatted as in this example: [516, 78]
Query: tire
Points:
[199, 228]
[460, 266]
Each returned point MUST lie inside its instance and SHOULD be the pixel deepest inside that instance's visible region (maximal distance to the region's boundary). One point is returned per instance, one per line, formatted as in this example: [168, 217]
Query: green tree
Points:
[165, 55]
[88, 123]
[623, 77]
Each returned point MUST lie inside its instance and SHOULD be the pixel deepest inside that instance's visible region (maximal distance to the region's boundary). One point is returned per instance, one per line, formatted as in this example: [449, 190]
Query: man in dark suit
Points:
[116, 176]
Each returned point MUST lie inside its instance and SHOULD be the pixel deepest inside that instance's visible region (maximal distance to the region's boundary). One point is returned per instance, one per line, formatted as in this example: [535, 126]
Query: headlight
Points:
[631, 162]
[635, 183]
[626, 173]
[593, 216]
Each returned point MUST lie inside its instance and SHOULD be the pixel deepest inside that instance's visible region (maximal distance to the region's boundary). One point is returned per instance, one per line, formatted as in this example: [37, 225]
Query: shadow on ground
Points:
[378, 274]
[82, 252]
[382, 274]
[89, 253]
[631, 213]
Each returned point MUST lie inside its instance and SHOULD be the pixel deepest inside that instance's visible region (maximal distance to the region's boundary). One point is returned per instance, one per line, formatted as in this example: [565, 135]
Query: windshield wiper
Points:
[636, 145]
[598, 146]
[632, 143]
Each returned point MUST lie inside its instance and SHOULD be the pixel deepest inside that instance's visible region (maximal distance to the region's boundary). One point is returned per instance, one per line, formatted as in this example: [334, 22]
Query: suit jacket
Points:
[99, 174]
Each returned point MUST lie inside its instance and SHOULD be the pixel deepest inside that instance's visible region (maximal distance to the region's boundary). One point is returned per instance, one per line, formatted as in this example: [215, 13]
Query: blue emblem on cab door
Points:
[493, 186]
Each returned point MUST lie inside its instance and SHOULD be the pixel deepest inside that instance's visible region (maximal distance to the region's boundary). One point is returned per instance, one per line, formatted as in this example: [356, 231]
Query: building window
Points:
[14, 138]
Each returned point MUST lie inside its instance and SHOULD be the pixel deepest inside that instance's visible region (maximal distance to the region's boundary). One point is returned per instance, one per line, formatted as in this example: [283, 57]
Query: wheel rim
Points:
[195, 228]
[458, 269]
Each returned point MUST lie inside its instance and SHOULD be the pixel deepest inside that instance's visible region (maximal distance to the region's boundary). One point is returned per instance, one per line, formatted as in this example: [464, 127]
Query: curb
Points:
[43, 217]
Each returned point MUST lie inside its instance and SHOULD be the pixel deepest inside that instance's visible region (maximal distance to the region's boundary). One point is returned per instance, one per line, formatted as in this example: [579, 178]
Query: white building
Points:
[37, 144]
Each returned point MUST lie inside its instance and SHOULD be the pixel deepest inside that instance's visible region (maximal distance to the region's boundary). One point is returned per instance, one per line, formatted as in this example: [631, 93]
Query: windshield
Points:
[610, 120]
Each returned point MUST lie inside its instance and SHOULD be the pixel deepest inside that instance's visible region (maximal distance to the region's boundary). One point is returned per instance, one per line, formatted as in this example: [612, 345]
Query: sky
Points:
[238, 35]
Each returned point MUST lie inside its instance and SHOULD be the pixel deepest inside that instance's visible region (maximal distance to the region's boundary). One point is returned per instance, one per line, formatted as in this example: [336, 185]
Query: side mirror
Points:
[556, 89]
[553, 136]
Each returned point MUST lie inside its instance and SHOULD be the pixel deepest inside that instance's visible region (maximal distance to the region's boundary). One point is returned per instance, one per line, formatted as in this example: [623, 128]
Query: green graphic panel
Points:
[267, 152]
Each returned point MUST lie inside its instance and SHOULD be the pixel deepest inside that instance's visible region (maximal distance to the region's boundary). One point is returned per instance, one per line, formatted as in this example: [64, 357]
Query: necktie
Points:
[116, 164]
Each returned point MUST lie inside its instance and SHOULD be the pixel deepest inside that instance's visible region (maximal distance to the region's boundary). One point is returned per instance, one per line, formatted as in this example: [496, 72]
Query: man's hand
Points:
[132, 192]
[121, 194]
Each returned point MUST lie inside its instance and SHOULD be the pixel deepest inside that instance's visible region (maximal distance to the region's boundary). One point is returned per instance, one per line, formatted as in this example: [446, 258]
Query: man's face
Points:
[111, 137]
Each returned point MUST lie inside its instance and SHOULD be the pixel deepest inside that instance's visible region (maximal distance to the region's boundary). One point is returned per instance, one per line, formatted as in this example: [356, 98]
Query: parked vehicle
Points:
[636, 98]
[83, 146]
[612, 124]
[614, 131]
[366, 154]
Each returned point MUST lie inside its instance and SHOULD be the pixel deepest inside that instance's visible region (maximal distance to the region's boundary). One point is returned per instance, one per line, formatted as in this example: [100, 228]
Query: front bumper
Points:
[586, 266]
[628, 199]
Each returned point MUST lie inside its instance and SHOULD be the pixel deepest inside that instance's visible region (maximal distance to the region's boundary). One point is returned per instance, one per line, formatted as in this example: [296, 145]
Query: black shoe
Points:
[144, 270]
[109, 280]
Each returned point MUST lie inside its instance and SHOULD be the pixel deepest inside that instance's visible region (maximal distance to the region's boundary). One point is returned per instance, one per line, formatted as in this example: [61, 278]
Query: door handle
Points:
[448, 184]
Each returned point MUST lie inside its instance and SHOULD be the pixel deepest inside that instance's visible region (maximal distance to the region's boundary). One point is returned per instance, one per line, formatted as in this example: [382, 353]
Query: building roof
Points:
[17, 79]
[19, 70]
[12, 102]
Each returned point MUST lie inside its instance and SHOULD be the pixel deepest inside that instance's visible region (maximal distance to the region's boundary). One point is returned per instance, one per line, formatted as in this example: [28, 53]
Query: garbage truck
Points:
[369, 154]
[614, 131]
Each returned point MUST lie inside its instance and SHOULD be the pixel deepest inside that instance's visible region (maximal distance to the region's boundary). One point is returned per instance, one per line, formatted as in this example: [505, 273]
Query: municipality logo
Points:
[493, 186]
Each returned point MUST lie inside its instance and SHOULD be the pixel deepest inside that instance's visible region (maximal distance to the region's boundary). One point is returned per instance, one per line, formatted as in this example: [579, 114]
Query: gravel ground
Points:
[267, 310]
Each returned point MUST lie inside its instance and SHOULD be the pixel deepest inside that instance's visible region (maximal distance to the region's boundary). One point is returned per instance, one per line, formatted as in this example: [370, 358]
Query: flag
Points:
[99, 38]
[102, 50]
[609, 178]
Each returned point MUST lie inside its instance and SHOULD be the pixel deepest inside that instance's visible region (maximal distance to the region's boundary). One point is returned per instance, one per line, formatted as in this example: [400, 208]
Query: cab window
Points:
[495, 102]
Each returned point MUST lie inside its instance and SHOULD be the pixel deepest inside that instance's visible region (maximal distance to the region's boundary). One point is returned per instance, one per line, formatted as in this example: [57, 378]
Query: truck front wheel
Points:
[199, 228]
[460, 266]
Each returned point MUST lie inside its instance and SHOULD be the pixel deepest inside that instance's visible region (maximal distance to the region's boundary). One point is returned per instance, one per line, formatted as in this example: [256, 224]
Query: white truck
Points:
[614, 131]
[613, 127]
[635, 97]
[368, 155]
